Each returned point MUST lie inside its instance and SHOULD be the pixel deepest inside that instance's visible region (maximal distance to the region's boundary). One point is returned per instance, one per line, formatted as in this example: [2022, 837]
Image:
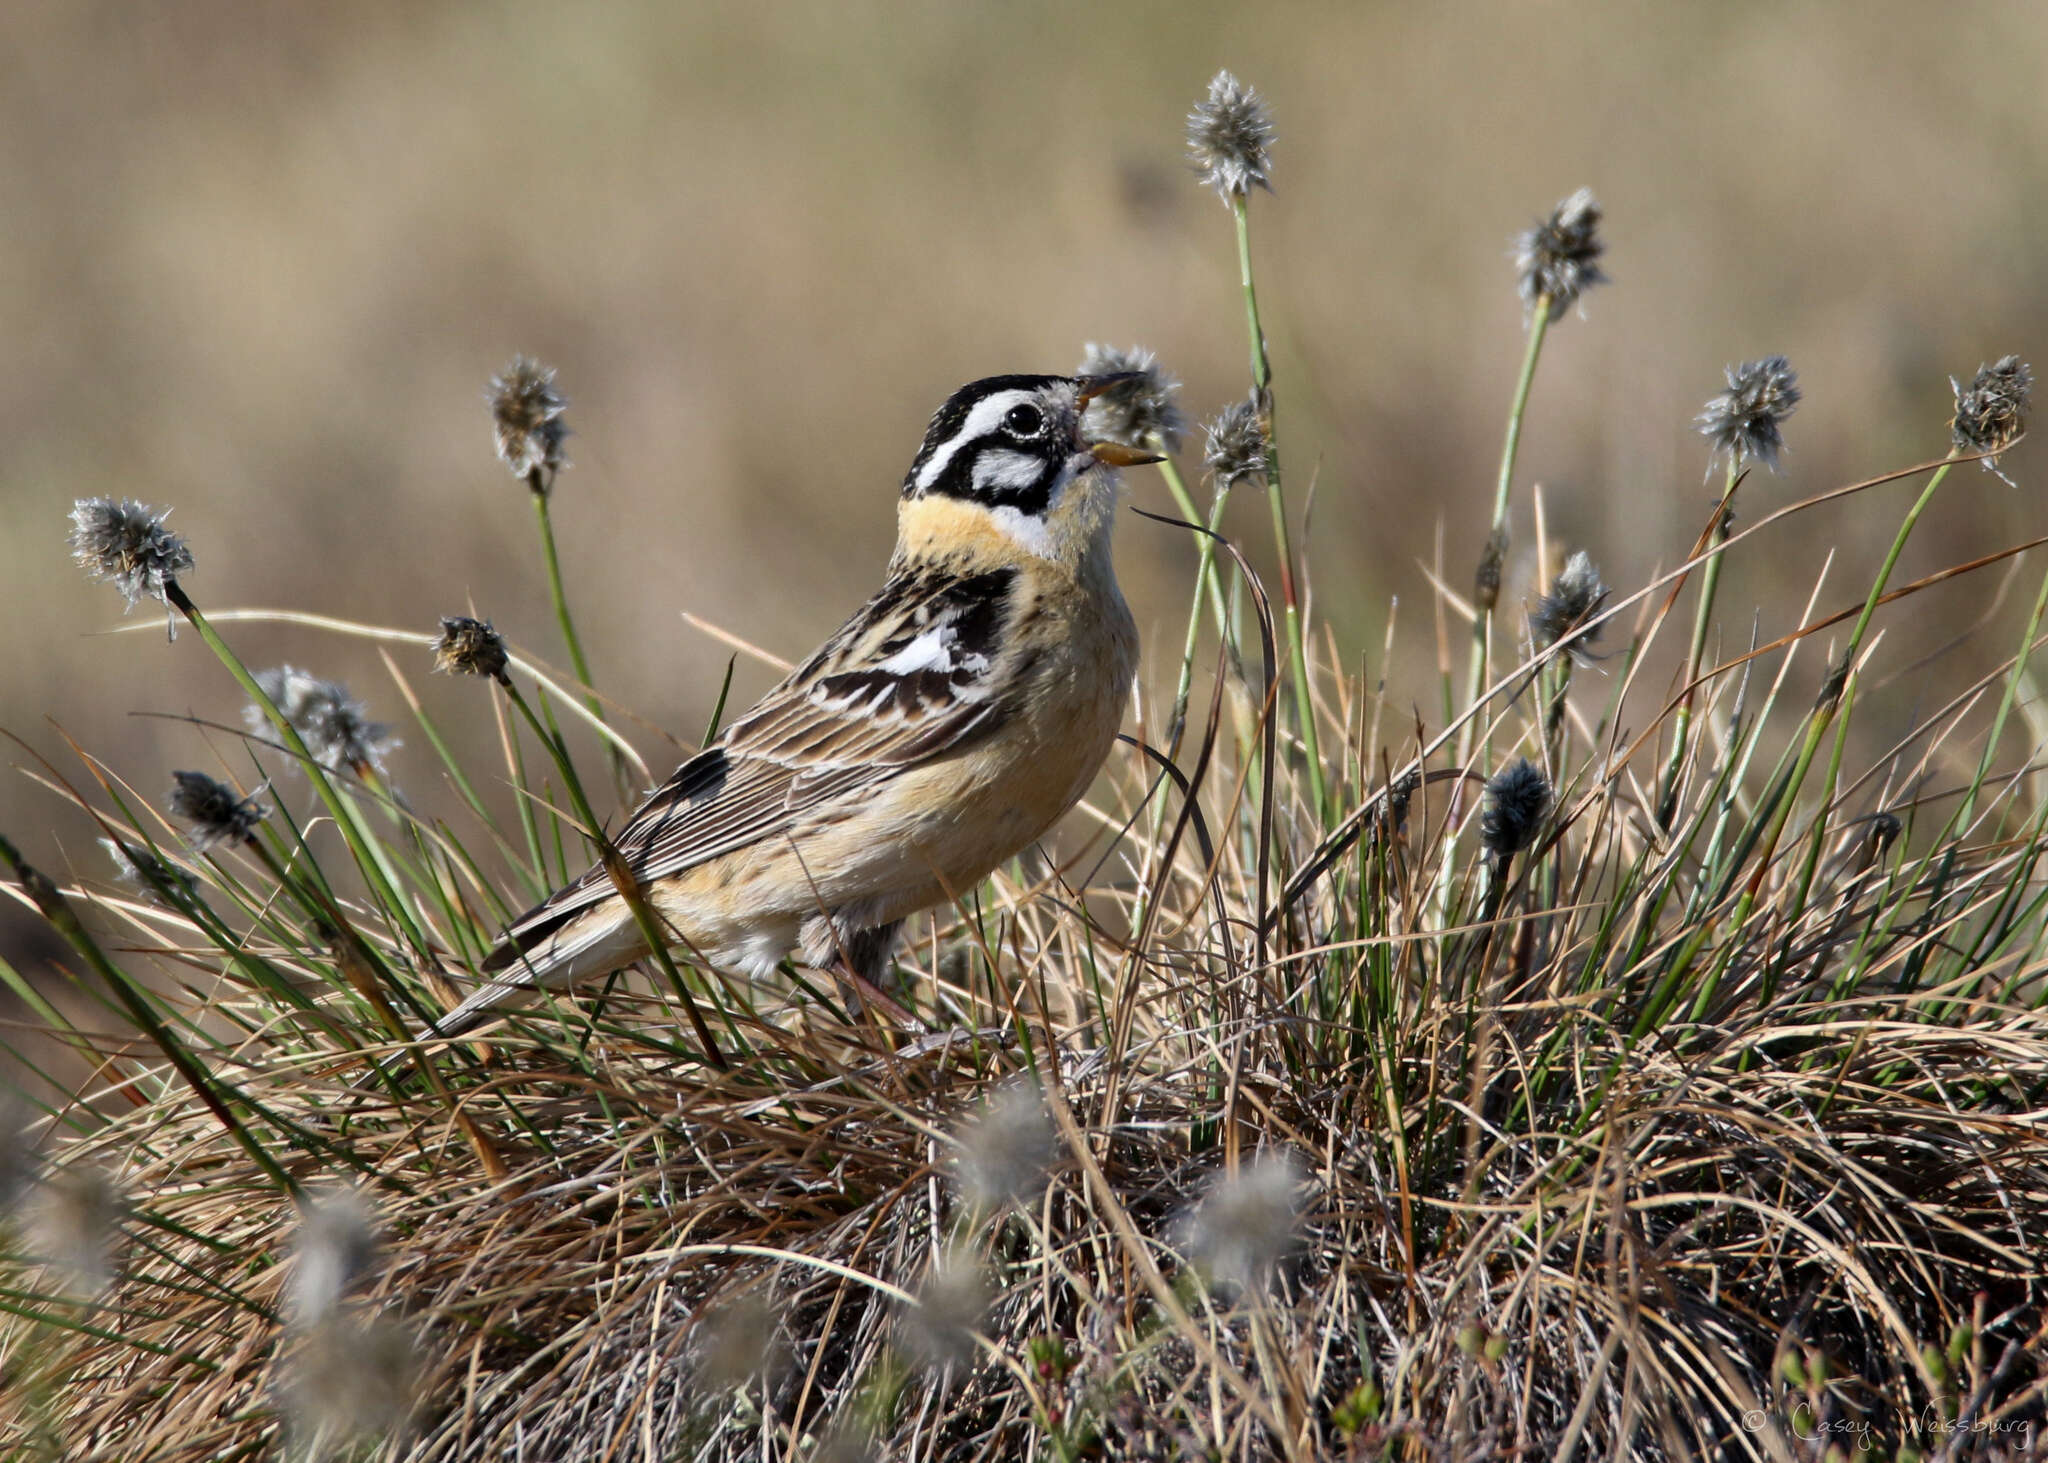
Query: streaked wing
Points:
[915, 674]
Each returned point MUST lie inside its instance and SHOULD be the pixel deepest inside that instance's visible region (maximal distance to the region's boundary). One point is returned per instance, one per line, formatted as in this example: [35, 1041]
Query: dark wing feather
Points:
[912, 676]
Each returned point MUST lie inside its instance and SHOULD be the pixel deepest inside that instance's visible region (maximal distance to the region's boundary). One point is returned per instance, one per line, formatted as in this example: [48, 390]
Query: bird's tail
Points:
[547, 954]
[549, 948]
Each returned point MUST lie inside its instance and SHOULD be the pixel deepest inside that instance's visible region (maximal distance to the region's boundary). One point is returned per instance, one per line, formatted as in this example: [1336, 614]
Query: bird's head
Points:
[1007, 456]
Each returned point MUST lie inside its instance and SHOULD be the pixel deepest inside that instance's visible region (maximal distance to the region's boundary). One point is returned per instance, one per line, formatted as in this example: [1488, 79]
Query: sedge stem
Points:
[1482, 622]
[552, 561]
[1884, 574]
[1297, 650]
[1702, 622]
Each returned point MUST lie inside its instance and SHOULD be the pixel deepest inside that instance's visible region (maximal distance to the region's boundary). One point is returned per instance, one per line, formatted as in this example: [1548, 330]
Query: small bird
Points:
[947, 725]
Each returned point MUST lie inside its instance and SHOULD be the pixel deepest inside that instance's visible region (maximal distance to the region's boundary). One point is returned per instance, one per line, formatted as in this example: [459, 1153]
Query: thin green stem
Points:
[1297, 649]
[1482, 623]
[1205, 574]
[1746, 901]
[2013, 677]
[1702, 623]
[529, 821]
[1834, 710]
[552, 560]
[1848, 703]
[1207, 579]
[1558, 678]
[371, 866]
[1162, 802]
[57, 910]
[1496, 551]
[1539, 326]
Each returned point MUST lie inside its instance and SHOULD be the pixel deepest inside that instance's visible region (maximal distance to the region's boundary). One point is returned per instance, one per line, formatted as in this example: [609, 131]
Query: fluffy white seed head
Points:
[335, 726]
[125, 544]
[470, 647]
[740, 1342]
[1991, 412]
[1517, 798]
[1005, 1148]
[213, 813]
[1742, 423]
[526, 419]
[1558, 257]
[1575, 596]
[1247, 1222]
[350, 1379]
[938, 1331]
[74, 1229]
[1230, 138]
[335, 1248]
[1143, 412]
[1234, 443]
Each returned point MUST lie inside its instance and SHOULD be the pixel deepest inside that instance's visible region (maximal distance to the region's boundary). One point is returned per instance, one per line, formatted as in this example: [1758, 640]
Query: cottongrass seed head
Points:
[1143, 412]
[1234, 443]
[347, 1376]
[938, 1331]
[1230, 137]
[469, 647]
[1576, 595]
[1558, 256]
[740, 1342]
[125, 544]
[336, 1247]
[347, 1379]
[1742, 423]
[137, 866]
[1486, 576]
[335, 726]
[213, 813]
[1006, 1146]
[74, 1229]
[1991, 412]
[1517, 797]
[526, 415]
[1247, 1222]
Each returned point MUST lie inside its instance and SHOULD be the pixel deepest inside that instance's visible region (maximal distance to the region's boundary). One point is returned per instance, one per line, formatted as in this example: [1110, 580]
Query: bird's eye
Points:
[1023, 421]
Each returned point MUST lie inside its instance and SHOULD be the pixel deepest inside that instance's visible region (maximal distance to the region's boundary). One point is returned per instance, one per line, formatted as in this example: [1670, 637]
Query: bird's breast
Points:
[947, 824]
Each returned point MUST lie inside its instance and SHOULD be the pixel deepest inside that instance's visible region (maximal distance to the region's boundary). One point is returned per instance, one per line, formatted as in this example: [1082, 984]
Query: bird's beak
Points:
[1115, 454]
[1090, 387]
[1112, 454]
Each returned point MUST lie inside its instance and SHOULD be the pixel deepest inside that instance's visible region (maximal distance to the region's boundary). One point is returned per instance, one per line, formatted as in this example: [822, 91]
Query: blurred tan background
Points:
[260, 261]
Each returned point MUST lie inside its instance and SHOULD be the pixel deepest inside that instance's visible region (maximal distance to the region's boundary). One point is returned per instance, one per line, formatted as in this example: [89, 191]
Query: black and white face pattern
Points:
[1011, 443]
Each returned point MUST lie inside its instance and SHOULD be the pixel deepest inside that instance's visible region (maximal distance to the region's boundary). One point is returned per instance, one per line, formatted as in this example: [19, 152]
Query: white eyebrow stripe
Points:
[981, 421]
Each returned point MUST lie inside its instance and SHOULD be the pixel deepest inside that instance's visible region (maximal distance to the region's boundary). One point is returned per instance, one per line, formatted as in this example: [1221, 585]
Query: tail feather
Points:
[550, 955]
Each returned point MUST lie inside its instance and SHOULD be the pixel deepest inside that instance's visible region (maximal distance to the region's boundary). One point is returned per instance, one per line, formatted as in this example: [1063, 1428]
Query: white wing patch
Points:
[935, 649]
[946, 661]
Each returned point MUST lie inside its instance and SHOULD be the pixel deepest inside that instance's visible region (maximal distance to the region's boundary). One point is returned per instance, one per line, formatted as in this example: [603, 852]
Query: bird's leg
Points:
[865, 991]
[863, 959]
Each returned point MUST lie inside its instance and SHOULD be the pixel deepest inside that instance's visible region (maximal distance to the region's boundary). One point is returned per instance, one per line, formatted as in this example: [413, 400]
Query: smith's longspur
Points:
[946, 726]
